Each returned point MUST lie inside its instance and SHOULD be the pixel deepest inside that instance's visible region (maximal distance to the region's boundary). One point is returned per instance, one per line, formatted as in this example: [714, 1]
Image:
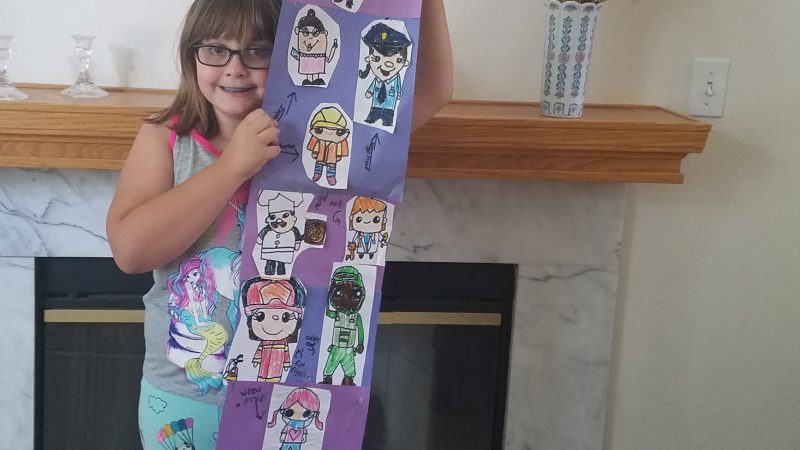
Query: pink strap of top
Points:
[199, 138]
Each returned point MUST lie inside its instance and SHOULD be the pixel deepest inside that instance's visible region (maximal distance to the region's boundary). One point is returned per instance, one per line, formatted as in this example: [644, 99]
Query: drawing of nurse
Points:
[301, 407]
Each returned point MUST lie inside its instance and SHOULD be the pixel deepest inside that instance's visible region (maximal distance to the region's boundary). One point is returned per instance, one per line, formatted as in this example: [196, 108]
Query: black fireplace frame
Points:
[60, 284]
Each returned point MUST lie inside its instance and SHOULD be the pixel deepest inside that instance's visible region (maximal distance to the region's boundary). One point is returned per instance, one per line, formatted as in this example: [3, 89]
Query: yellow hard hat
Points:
[329, 117]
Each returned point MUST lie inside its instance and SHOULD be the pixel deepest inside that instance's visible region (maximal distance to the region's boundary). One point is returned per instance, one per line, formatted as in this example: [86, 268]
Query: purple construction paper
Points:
[247, 411]
[377, 169]
[400, 9]
[377, 158]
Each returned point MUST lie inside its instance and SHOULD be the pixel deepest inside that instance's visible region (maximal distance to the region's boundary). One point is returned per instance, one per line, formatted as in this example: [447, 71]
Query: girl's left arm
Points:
[434, 86]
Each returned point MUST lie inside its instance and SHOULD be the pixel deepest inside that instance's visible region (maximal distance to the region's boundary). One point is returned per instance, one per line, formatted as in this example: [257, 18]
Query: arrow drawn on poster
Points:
[282, 110]
[374, 143]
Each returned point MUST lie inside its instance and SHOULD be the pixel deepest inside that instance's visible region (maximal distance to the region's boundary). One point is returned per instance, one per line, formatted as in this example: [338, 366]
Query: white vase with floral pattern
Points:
[570, 35]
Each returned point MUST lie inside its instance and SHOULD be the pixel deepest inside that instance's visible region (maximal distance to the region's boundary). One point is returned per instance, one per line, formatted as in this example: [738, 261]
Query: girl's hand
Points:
[254, 142]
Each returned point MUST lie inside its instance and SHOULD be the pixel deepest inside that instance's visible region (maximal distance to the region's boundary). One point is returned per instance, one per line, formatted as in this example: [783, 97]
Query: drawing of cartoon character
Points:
[348, 3]
[368, 220]
[280, 238]
[312, 49]
[301, 407]
[192, 302]
[346, 295]
[274, 309]
[328, 143]
[388, 55]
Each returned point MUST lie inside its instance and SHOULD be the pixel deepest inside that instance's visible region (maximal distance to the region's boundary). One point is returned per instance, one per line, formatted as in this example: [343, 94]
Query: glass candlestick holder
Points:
[7, 89]
[83, 87]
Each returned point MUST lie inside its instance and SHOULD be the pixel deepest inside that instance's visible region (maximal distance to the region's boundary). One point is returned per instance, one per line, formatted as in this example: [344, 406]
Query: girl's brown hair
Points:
[248, 21]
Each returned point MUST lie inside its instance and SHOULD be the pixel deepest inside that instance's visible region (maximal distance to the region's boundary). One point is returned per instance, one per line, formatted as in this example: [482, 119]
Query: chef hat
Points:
[283, 201]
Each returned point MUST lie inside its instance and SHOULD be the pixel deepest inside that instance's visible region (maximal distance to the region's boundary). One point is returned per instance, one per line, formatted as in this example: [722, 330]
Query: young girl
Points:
[298, 411]
[184, 185]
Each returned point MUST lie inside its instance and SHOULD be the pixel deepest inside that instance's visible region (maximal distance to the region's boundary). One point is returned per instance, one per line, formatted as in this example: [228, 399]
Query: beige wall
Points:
[707, 343]
[708, 333]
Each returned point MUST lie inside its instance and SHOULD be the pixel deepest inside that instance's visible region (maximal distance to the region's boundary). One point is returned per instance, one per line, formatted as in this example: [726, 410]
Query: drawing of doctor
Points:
[368, 220]
[280, 238]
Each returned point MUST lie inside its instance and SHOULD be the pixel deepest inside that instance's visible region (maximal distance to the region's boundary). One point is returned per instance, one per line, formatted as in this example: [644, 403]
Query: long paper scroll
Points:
[319, 220]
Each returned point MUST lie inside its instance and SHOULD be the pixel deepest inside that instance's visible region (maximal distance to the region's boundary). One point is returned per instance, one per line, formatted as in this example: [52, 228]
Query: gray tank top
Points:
[191, 311]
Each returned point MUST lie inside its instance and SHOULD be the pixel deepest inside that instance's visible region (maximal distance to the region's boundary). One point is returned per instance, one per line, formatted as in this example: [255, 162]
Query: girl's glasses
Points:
[218, 56]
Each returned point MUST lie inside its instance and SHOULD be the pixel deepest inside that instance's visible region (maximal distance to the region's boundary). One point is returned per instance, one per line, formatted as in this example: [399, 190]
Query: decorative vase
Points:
[570, 35]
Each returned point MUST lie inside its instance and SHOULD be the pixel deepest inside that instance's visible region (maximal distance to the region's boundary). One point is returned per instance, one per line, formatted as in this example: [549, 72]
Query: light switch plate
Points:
[709, 86]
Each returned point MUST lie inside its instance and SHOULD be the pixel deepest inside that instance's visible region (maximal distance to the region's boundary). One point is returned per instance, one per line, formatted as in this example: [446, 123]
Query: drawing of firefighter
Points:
[328, 143]
[280, 238]
[388, 56]
[346, 295]
[312, 49]
[274, 310]
[368, 220]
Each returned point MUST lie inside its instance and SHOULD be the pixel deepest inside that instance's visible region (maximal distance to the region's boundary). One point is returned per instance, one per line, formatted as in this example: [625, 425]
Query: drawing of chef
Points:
[280, 238]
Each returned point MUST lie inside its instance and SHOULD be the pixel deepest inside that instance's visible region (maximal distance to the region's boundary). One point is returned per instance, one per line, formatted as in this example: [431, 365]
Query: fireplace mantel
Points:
[467, 139]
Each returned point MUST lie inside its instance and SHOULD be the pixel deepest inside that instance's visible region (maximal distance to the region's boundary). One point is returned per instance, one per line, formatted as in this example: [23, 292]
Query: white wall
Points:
[707, 331]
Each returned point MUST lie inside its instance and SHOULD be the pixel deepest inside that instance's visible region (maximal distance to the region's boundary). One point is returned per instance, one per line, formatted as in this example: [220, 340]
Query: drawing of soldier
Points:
[312, 49]
[328, 143]
[388, 55]
[280, 238]
[368, 220]
[346, 295]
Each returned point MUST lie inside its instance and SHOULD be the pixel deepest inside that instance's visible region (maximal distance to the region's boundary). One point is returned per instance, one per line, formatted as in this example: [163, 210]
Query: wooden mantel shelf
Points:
[467, 139]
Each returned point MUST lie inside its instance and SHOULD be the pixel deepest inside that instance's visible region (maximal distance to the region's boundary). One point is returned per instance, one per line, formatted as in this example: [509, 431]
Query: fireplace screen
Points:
[440, 373]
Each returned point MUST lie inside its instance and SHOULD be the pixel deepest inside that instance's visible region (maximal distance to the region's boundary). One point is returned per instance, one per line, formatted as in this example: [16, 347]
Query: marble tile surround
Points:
[564, 236]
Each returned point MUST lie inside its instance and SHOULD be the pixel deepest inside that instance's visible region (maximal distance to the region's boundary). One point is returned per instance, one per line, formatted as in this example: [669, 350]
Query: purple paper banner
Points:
[251, 406]
[318, 223]
[401, 9]
[377, 158]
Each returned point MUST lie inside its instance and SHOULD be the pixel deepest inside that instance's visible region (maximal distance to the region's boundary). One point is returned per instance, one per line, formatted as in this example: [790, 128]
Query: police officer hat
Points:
[386, 38]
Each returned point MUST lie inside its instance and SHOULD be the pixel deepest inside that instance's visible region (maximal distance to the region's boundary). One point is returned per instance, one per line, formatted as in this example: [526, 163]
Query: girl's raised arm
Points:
[150, 222]
[434, 87]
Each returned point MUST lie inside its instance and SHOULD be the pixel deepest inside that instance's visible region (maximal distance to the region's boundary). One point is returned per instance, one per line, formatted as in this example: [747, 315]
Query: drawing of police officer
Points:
[388, 56]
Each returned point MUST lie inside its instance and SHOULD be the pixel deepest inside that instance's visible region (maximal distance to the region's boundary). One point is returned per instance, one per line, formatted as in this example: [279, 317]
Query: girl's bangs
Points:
[224, 20]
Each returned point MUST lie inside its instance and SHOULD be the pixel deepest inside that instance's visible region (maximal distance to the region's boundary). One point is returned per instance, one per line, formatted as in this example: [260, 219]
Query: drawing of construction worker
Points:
[328, 143]
[346, 295]
[388, 55]
[312, 49]
[368, 220]
[280, 238]
[274, 311]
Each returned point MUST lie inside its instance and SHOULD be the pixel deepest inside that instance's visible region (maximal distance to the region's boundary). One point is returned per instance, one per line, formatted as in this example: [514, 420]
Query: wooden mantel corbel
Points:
[467, 139]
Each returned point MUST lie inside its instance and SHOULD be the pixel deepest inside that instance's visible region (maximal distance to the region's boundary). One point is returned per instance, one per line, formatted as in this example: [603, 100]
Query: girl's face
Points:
[298, 412]
[233, 89]
[272, 324]
[193, 276]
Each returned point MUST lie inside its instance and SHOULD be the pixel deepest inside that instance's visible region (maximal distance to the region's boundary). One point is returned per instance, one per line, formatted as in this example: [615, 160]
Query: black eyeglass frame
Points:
[231, 53]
